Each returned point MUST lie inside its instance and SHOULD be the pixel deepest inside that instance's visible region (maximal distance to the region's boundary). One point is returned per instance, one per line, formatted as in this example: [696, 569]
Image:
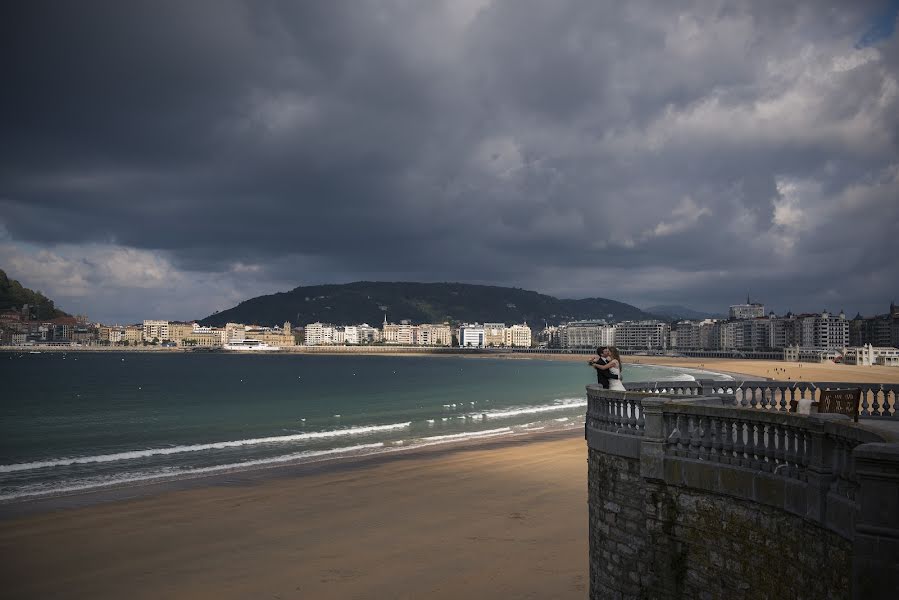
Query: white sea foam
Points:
[562, 404]
[135, 454]
[172, 472]
[562, 420]
[467, 435]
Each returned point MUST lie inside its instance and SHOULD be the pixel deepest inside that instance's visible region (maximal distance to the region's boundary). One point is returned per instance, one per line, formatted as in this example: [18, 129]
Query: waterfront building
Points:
[881, 330]
[517, 336]
[824, 330]
[179, 331]
[549, 337]
[868, 355]
[319, 334]
[811, 354]
[587, 334]
[204, 337]
[429, 334]
[494, 334]
[133, 335]
[273, 336]
[156, 330]
[401, 333]
[351, 335]
[314, 334]
[750, 310]
[471, 336]
[338, 338]
[643, 335]
[368, 334]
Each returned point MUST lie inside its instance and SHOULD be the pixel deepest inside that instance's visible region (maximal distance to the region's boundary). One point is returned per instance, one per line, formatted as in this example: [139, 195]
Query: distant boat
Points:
[252, 345]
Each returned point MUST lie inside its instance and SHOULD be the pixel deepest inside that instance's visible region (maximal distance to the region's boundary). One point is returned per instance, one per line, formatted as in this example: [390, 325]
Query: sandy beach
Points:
[502, 520]
[492, 519]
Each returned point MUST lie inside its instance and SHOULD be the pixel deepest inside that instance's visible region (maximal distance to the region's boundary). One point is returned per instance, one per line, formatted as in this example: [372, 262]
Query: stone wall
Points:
[652, 540]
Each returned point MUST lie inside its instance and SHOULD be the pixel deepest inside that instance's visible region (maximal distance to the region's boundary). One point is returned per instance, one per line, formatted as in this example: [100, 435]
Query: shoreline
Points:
[30, 505]
[503, 518]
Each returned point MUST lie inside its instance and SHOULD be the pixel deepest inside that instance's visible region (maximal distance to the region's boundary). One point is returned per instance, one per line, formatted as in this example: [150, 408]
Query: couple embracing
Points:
[608, 368]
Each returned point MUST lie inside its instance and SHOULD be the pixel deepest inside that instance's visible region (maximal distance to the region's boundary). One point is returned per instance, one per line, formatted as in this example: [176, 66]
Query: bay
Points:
[84, 420]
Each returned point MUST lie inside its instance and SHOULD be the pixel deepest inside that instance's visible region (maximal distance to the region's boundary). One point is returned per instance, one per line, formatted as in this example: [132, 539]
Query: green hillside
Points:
[366, 302]
[13, 295]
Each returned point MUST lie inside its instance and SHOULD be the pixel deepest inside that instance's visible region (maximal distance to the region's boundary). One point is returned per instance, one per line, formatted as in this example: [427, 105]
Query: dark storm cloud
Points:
[675, 154]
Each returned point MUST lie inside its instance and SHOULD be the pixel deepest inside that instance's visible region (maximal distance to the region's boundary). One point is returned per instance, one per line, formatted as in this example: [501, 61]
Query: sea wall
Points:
[652, 540]
[699, 498]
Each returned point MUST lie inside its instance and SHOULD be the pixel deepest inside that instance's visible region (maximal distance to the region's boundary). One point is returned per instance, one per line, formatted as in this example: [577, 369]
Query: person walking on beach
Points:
[612, 366]
[602, 376]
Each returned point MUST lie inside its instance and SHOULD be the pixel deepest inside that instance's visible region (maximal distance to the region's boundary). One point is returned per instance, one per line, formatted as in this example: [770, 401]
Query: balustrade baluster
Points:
[865, 408]
[739, 458]
[760, 445]
[641, 420]
[838, 459]
[705, 439]
[766, 432]
[780, 452]
[727, 444]
[632, 414]
[792, 456]
[875, 402]
[678, 425]
[803, 449]
[693, 448]
[780, 402]
[752, 401]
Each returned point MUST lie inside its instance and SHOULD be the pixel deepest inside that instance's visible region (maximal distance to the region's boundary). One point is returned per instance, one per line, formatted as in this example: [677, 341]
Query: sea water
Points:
[81, 420]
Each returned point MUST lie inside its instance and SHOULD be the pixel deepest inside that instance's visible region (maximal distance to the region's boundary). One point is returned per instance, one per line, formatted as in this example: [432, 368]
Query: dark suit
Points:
[602, 376]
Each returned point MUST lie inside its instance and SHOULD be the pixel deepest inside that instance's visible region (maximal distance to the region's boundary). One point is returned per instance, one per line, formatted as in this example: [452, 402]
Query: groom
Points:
[602, 376]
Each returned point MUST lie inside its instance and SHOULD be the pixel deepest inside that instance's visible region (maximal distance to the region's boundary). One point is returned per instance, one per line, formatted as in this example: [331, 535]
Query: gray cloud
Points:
[683, 153]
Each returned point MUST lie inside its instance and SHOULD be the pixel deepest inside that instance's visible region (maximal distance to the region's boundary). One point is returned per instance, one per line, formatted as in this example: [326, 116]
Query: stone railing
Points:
[683, 448]
[879, 400]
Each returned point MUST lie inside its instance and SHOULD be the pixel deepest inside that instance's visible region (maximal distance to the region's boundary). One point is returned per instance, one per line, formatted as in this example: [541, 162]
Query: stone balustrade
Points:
[722, 492]
[880, 400]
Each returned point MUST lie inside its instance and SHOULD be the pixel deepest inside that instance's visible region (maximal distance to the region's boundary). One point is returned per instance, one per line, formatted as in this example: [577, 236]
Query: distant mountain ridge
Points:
[368, 301]
[677, 312]
[14, 295]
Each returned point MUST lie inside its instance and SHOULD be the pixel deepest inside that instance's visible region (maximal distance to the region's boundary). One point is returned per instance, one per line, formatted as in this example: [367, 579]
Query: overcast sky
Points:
[169, 159]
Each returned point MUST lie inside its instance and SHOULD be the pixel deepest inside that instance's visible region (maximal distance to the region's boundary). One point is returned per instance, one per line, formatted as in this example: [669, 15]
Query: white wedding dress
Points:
[615, 384]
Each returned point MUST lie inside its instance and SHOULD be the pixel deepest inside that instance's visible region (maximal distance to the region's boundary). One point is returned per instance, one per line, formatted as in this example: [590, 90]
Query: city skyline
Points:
[171, 160]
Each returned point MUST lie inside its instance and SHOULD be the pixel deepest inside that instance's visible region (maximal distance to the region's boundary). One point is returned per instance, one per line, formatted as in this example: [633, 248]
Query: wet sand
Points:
[507, 521]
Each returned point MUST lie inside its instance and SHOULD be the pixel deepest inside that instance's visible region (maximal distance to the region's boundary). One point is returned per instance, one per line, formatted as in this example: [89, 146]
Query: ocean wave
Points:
[135, 454]
[175, 473]
[452, 437]
[562, 404]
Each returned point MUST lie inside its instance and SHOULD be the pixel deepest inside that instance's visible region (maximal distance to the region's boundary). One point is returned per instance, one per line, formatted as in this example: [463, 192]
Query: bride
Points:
[612, 367]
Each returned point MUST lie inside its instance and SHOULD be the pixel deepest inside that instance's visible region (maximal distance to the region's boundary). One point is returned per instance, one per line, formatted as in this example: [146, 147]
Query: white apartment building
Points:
[319, 334]
[824, 331]
[368, 334]
[156, 330]
[471, 336]
[517, 336]
[587, 334]
[338, 336]
[642, 335]
[351, 335]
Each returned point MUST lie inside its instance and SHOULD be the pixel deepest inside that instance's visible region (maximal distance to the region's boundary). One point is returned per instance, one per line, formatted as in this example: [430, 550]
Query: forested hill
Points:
[366, 302]
[13, 295]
